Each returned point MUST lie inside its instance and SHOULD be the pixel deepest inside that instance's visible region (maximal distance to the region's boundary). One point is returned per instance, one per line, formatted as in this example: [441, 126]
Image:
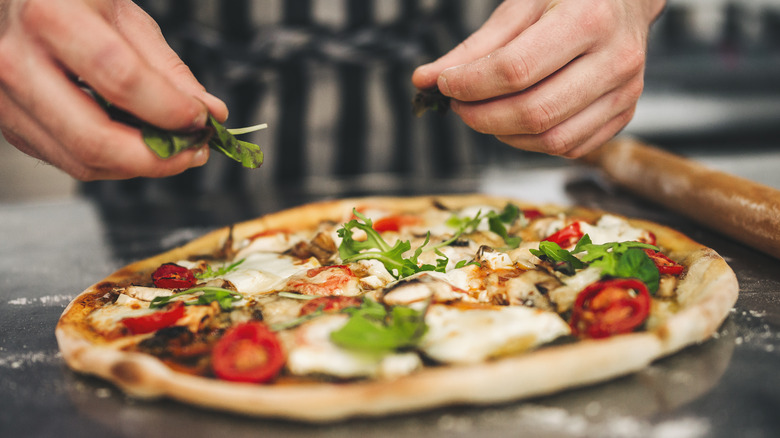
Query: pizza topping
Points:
[610, 307]
[248, 352]
[329, 304]
[664, 264]
[154, 321]
[202, 295]
[530, 289]
[209, 272]
[423, 288]
[461, 335]
[615, 259]
[173, 276]
[396, 222]
[264, 272]
[374, 328]
[143, 293]
[325, 280]
[313, 352]
[566, 237]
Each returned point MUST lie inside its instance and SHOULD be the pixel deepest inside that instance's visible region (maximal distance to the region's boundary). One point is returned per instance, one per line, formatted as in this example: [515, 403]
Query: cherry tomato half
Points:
[567, 236]
[248, 352]
[532, 213]
[664, 264]
[155, 321]
[173, 276]
[396, 222]
[610, 307]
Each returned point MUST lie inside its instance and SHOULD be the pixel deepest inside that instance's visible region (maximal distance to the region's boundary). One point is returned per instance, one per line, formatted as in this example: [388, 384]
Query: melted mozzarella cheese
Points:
[612, 229]
[263, 272]
[458, 335]
[106, 318]
[312, 352]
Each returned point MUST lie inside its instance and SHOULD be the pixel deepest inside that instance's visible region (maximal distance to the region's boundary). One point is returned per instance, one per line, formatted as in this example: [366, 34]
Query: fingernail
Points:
[442, 84]
[201, 157]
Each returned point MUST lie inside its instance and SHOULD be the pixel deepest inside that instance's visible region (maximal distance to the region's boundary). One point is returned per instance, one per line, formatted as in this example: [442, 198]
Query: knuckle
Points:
[597, 17]
[536, 118]
[514, 72]
[35, 14]
[119, 69]
[632, 60]
[555, 142]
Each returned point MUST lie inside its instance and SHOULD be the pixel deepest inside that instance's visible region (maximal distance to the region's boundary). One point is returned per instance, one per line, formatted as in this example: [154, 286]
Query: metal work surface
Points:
[728, 386]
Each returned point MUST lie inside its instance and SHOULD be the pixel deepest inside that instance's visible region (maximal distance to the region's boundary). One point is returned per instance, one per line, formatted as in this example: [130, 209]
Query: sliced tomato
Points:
[329, 304]
[248, 352]
[664, 264]
[610, 307]
[567, 236]
[173, 276]
[396, 222]
[155, 321]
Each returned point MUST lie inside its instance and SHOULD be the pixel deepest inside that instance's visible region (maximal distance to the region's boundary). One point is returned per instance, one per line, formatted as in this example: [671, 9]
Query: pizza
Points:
[380, 306]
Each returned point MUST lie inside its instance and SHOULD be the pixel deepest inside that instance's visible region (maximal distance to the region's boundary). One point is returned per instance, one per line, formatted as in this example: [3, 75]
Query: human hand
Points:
[554, 76]
[118, 50]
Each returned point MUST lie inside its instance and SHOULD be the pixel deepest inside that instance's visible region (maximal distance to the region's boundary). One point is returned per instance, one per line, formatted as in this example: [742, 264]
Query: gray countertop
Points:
[728, 386]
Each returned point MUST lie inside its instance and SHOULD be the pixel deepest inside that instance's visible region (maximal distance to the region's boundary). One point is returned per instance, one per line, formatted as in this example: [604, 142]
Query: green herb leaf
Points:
[635, 263]
[205, 295]
[616, 259]
[553, 252]
[210, 272]
[372, 328]
[167, 143]
[496, 224]
[375, 247]
[248, 154]
[430, 99]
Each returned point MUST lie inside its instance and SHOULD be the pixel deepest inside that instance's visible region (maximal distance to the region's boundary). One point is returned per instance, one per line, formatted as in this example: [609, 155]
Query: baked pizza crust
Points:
[706, 294]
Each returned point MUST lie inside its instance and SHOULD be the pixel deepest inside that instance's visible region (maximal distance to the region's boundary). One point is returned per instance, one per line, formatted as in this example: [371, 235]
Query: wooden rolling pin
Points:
[742, 209]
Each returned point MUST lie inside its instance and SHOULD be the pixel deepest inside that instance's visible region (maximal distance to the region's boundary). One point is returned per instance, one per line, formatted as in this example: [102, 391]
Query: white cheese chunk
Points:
[612, 229]
[312, 352]
[458, 335]
[263, 272]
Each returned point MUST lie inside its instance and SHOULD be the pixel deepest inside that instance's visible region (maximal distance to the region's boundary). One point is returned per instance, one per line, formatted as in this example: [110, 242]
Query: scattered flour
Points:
[547, 421]
[23, 360]
[50, 300]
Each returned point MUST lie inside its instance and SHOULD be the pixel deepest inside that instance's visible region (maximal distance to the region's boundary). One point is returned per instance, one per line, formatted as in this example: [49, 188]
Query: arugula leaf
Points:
[430, 99]
[210, 272]
[496, 222]
[555, 253]
[166, 143]
[208, 294]
[372, 328]
[375, 247]
[248, 154]
[616, 259]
